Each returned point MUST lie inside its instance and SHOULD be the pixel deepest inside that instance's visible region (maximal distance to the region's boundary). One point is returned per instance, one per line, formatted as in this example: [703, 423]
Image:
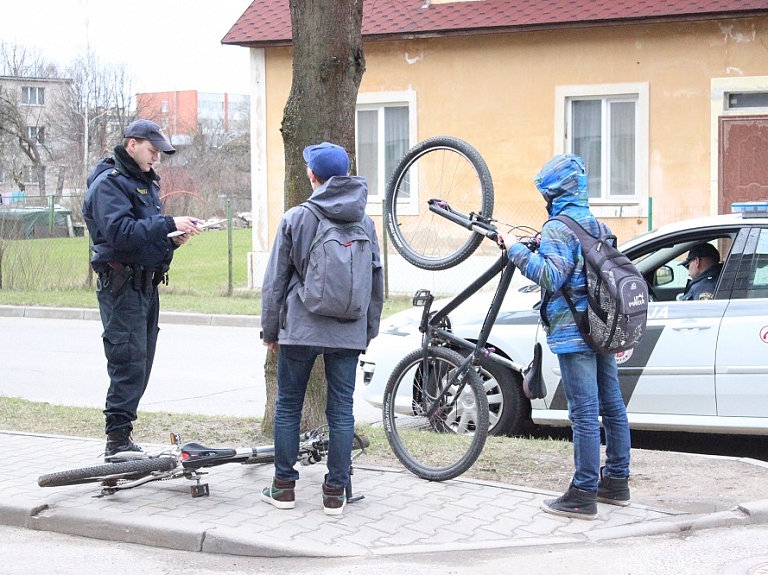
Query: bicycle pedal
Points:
[200, 490]
[421, 297]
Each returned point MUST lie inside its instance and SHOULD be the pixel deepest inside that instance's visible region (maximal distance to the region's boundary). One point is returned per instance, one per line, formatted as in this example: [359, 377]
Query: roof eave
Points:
[410, 35]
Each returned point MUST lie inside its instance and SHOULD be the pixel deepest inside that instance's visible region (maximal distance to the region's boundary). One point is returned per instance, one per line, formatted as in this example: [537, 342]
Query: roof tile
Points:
[268, 22]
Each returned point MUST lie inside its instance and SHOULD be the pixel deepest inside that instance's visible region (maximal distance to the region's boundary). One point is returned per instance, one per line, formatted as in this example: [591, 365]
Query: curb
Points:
[92, 314]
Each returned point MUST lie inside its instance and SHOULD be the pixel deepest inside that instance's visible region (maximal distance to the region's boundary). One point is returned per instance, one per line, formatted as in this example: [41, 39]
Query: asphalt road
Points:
[211, 370]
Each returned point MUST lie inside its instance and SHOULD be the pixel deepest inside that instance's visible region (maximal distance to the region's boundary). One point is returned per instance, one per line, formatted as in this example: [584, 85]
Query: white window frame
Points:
[30, 175]
[37, 90]
[378, 101]
[615, 206]
[36, 133]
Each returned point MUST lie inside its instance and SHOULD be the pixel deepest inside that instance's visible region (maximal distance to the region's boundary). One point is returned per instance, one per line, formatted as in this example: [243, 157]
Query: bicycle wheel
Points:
[442, 168]
[444, 445]
[110, 471]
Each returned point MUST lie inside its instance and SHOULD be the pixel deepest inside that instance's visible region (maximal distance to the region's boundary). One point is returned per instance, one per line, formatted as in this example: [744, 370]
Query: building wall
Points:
[499, 93]
[55, 144]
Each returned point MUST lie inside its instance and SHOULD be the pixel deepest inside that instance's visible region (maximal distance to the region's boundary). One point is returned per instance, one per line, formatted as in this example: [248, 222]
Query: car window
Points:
[662, 267]
[753, 270]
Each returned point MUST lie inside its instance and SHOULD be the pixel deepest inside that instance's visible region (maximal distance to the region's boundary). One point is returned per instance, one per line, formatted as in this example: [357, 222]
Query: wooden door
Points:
[743, 160]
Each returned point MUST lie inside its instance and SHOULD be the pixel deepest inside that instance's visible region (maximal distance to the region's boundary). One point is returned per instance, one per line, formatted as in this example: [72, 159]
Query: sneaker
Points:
[281, 494]
[573, 503]
[334, 500]
[119, 441]
[613, 490]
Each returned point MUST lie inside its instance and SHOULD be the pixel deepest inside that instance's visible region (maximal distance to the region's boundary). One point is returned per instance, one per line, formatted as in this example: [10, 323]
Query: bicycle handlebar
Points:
[476, 223]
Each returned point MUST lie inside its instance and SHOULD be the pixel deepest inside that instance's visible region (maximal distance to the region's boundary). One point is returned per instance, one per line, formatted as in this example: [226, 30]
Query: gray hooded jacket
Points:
[284, 318]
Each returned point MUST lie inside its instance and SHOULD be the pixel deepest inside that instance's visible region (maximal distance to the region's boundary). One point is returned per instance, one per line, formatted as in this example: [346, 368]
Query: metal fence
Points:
[44, 245]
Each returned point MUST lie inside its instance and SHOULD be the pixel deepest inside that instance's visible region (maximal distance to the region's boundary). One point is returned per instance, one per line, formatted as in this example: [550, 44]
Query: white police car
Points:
[702, 365]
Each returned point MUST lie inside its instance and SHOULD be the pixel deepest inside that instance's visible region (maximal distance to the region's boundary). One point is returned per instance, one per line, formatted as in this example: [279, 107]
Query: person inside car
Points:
[703, 265]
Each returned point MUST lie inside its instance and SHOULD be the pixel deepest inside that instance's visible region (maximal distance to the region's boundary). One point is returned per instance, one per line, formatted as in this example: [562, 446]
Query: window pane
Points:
[622, 158]
[395, 137]
[586, 128]
[748, 100]
[367, 148]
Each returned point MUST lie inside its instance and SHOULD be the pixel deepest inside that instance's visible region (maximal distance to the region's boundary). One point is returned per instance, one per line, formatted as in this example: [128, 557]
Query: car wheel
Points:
[509, 410]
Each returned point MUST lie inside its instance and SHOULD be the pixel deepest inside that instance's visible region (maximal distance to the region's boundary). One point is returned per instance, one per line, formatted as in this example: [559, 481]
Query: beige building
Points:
[666, 101]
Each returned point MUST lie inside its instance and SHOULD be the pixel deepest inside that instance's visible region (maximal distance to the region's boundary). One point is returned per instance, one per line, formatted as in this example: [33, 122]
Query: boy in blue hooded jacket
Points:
[589, 379]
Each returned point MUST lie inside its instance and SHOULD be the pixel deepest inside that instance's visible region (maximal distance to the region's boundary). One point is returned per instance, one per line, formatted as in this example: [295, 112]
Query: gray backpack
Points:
[338, 276]
[617, 295]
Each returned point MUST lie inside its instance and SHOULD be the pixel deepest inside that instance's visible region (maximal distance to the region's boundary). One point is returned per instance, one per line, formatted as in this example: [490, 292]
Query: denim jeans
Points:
[294, 365]
[591, 384]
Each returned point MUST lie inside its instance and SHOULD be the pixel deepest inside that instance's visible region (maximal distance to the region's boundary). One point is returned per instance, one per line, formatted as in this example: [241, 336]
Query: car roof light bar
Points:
[751, 209]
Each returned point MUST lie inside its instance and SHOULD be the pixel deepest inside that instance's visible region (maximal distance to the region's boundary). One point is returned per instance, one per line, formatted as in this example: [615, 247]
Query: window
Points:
[32, 96]
[607, 125]
[30, 175]
[747, 100]
[384, 131]
[36, 134]
[164, 106]
[752, 279]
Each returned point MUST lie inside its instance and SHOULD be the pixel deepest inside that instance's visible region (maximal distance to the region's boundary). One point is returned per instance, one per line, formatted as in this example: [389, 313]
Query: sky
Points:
[166, 44]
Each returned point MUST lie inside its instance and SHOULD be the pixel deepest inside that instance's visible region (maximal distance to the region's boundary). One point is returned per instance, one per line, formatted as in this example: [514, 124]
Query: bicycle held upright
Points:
[435, 407]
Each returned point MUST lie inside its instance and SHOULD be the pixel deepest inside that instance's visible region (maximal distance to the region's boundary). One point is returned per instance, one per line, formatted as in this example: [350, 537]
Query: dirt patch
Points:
[681, 481]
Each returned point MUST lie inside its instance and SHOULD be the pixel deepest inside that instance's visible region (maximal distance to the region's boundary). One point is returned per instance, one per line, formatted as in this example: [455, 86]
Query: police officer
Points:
[703, 265]
[132, 253]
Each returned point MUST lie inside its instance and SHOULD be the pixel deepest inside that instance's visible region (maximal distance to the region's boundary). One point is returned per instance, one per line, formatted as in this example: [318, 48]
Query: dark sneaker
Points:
[281, 494]
[573, 503]
[613, 490]
[334, 500]
[119, 441]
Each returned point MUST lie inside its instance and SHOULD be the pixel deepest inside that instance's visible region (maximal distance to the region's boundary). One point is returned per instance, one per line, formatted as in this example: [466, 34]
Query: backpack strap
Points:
[584, 237]
[315, 212]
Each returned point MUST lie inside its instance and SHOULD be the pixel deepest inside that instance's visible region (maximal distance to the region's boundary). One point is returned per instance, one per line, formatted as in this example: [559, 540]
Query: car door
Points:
[741, 375]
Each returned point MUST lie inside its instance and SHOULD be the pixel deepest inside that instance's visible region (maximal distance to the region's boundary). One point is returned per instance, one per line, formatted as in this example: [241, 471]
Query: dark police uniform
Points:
[132, 253]
[703, 285]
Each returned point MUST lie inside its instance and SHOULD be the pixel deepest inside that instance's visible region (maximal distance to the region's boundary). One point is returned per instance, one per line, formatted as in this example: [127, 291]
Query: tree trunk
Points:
[328, 64]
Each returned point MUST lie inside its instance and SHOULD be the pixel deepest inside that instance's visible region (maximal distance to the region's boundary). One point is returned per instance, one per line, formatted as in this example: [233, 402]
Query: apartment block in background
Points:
[187, 113]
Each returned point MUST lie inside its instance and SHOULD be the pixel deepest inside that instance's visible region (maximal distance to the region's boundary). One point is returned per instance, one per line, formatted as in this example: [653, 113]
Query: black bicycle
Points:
[188, 461]
[438, 210]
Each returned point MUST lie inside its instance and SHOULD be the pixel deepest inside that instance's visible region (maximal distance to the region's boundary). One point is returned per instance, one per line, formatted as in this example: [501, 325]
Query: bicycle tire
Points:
[114, 471]
[447, 168]
[448, 443]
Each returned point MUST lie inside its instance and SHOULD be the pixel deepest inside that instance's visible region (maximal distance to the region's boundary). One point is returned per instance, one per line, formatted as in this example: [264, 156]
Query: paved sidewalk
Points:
[400, 514]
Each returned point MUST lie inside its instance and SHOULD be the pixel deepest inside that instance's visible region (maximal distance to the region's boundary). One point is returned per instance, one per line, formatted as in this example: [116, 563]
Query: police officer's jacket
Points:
[123, 213]
[703, 285]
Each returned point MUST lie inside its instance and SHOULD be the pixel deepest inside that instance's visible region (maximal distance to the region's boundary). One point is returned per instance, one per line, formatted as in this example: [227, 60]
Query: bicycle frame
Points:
[431, 324]
[191, 458]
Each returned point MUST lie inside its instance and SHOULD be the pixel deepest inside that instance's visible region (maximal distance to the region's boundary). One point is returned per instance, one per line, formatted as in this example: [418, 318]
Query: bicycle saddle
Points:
[194, 455]
[533, 381]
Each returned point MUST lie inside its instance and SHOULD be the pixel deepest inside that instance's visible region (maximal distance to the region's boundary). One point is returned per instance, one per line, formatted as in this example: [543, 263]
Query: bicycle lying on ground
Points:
[435, 407]
[188, 460]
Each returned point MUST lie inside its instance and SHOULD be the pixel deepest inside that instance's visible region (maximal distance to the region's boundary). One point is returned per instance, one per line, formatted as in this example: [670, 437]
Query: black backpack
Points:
[617, 295]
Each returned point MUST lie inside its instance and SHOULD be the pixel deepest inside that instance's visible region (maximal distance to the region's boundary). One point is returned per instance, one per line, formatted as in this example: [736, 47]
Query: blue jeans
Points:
[591, 383]
[294, 365]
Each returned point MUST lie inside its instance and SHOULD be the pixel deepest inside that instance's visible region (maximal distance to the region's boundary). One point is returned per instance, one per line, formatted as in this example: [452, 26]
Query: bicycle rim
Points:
[445, 168]
[108, 472]
[446, 444]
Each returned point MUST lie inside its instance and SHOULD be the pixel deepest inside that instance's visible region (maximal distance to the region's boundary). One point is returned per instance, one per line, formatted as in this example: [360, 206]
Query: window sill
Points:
[614, 210]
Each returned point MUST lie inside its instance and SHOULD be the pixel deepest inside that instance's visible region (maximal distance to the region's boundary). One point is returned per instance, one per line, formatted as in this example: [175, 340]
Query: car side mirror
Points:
[663, 276]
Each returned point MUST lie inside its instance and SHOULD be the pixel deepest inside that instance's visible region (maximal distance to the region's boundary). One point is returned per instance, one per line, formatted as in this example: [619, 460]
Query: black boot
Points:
[119, 441]
[573, 503]
[613, 490]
